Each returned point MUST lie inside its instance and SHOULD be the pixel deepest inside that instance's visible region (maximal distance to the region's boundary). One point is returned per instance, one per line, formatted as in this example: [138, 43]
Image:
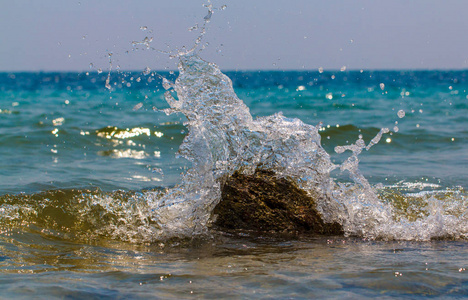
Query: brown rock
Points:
[267, 203]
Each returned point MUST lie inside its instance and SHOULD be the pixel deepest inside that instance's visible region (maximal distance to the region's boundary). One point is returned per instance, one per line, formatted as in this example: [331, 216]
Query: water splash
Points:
[223, 138]
[202, 31]
[146, 42]
[108, 86]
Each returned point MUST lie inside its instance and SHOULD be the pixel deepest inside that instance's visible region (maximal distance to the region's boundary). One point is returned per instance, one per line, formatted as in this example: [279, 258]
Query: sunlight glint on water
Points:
[92, 203]
[223, 137]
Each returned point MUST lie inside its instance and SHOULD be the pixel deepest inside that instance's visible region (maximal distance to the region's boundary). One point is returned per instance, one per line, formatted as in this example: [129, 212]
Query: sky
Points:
[54, 35]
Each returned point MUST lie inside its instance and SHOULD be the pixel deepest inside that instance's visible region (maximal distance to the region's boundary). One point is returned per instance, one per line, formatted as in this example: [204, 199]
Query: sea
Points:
[108, 182]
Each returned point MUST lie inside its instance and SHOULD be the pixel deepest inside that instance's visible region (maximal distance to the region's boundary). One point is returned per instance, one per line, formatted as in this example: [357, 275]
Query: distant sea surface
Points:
[66, 130]
[65, 135]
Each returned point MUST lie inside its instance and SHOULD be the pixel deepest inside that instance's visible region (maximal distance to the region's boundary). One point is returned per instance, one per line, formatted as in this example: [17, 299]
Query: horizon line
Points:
[247, 70]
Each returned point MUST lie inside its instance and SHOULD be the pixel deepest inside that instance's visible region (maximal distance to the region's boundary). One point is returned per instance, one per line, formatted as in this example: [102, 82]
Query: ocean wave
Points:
[224, 138]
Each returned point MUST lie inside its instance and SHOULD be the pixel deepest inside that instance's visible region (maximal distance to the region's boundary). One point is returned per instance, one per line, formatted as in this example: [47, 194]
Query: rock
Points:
[266, 203]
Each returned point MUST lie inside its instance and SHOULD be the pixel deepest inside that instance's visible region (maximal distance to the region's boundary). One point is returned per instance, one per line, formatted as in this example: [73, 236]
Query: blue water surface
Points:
[56, 128]
[61, 133]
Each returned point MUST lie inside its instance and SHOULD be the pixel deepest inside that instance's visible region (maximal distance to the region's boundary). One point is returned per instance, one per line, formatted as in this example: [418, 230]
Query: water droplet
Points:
[223, 7]
[166, 84]
[194, 27]
[343, 68]
[99, 71]
[146, 71]
[401, 113]
[108, 86]
[382, 86]
[91, 65]
[395, 129]
[320, 70]
[301, 88]
[143, 28]
[138, 106]
[207, 18]
[158, 170]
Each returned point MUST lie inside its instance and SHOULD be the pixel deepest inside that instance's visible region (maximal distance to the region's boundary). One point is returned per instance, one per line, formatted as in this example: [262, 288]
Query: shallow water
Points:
[234, 267]
[83, 167]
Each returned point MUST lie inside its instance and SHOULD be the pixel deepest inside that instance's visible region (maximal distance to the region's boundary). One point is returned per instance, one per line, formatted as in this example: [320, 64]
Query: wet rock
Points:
[267, 203]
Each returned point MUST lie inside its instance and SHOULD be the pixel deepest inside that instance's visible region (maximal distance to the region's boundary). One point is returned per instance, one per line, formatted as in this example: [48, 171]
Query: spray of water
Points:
[222, 138]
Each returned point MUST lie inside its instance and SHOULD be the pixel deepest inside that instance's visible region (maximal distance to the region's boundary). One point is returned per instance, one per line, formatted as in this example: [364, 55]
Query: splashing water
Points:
[223, 137]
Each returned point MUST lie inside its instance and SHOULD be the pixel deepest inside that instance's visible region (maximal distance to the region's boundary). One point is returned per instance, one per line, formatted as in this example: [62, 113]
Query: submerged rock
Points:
[267, 203]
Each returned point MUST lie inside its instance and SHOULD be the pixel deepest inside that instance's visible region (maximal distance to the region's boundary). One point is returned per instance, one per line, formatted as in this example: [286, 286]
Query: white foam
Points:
[223, 137]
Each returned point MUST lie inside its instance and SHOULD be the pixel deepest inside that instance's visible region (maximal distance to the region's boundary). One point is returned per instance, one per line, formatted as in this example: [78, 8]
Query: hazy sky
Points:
[248, 34]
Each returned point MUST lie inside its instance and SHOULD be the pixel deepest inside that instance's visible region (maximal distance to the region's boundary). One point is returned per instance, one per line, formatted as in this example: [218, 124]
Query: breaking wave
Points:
[223, 138]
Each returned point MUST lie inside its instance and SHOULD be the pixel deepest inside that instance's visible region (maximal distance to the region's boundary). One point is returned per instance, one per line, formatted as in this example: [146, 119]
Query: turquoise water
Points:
[83, 166]
[430, 146]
